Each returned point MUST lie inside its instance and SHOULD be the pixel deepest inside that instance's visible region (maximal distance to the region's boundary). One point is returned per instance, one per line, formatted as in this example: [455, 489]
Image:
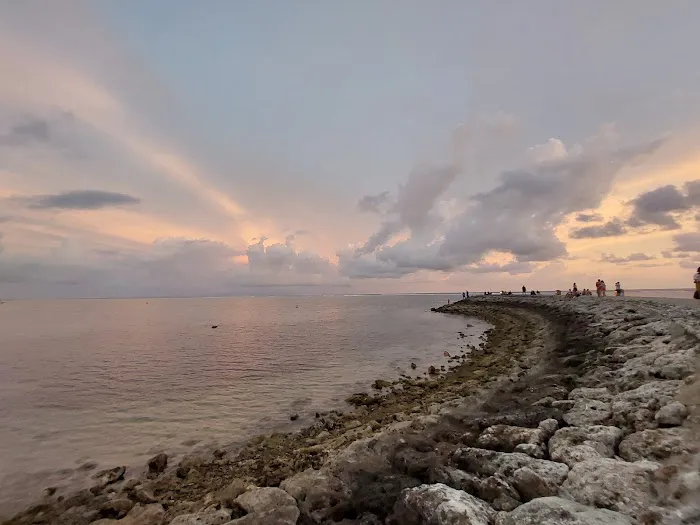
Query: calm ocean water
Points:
[115, 381]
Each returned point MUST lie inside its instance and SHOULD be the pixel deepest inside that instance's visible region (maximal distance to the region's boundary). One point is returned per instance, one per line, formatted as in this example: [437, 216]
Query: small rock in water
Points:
[432, 370]
[157, 463]
[49, 491]
[294, 417]
[414, 366]
[215, 326]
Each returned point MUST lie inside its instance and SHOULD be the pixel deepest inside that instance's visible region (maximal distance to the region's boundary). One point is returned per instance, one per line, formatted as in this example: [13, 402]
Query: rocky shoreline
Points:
[571, 411]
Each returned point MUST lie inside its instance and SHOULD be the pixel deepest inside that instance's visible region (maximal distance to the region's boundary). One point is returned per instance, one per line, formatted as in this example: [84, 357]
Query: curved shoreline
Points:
[423, 433]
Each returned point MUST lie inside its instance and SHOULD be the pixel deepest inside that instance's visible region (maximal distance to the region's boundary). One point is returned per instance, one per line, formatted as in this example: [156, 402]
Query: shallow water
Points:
[115, 381]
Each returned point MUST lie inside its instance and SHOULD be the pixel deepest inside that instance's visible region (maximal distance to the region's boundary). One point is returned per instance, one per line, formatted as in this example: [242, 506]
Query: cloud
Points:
[517, 217]
[513, 268]
[373, 203]
[26, 131]
[654, 207]
[589, 217]
[167, 267]
[284, 258]
[687, 242]
[413, 208]
[633, 257]
[82, 200]
[609, 229]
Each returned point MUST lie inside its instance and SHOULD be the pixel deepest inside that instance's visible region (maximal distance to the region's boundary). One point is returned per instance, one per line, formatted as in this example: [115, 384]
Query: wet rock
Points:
[116, 508]
[212, 517]
[612, 484]
[635, 409]
[587, 412]
[80, 515]
[380, 384]
[227, 496]
[657, 444]
[81, 497]
[599, 394]
[440, 505]
[572, 445]
[107, 477]
[414, 366]
[188, 463]
[559, 511]
[671, 415]
[489, 463]
[157, 464]
[362, 399]
[265, 499]
[294, 417]
[145, 515]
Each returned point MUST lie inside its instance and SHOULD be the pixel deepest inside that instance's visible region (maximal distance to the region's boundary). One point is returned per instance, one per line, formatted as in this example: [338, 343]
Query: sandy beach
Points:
[580, 411]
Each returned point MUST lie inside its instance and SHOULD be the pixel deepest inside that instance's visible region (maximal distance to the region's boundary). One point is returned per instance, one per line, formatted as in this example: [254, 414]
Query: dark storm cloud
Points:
[633, 257]
[609, 229]
[589, 217]
[655, 207]
[82, 200]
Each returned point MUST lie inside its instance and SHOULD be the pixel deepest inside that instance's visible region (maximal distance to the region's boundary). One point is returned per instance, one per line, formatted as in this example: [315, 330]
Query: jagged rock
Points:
[157, 463]
[152, 514]
[317, 492]
[280, 516]
[564, 404]
[657, 444]
[490, 463]
[455, 478]
[506, 438]
[227, 496]
[587, 412]
[676, 365]
[534, 451]
[440, 505]
[612, 484]
[599, 394]
[559, 511]
[116, 508]
[635, 409]
[80, 515]
[188, 463]
[531, 484]
[671, 415]
[265, 499]
[107, 477]
[545, 402]
[572, 445]
[213, 517]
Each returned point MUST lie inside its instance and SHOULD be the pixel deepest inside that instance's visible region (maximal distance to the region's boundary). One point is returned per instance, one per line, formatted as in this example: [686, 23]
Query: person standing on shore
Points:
[597, 287]
[524, 289]
[696, 280]
[602, 287]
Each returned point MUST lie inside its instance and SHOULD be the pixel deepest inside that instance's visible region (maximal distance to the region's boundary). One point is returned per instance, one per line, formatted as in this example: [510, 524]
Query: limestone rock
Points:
[531, 484]
[280, 516]
[534, 451]
[657, 444]
[587, 412]
[635, 409]
[671, 415]
[599, 394]
[230, 492]
[188, 463]
[152, 514]
[572, 445]
[559, 511]
[505, 437]
[316, 492]
[490, 463]
[612, 484]
[157, 463]
[215, 517]
[107, 477]
[676, 365]
[440, 505]
[265, 499]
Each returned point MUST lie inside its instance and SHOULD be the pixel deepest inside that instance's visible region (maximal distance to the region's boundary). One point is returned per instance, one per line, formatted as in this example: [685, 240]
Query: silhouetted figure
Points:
[524, 289]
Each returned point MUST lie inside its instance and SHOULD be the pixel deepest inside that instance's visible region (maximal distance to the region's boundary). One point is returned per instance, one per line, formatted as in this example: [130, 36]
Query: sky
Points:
[179, 148]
